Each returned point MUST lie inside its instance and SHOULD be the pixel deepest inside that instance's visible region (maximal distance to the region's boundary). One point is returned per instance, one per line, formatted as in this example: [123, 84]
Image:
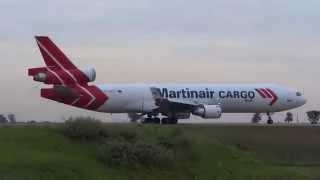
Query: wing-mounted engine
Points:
[208, 111]
[55, 76]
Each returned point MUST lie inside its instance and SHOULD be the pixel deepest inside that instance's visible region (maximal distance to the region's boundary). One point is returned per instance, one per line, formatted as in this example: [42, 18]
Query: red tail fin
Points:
[71, 84]
[52, 55]
[59, 70]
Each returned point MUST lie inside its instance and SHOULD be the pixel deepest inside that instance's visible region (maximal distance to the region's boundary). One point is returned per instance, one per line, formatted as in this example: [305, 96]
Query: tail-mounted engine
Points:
[52, 75]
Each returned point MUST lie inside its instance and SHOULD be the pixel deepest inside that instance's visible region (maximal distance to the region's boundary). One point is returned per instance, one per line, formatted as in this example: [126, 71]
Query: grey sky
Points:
[270, 41]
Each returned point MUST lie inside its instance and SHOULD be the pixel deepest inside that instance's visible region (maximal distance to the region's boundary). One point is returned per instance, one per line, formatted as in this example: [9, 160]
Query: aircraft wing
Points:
[169, 105]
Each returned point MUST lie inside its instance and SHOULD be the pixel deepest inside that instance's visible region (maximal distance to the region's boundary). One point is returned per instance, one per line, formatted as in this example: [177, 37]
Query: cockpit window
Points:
[298, 94]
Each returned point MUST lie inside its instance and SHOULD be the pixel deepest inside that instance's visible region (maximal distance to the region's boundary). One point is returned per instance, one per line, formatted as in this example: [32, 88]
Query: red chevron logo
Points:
[64, 72]
[91, 97]
[267, 93]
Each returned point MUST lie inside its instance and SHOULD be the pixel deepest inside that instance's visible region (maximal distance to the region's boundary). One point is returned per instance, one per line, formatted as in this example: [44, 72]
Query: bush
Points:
[132, 147]
[130, 151]
[129, 135]
[174, 140]
[85, 128]
[125, 133]
[124, 154]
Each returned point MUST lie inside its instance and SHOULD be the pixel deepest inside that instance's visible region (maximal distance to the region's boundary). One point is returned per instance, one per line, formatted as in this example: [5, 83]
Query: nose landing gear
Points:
[270, 120]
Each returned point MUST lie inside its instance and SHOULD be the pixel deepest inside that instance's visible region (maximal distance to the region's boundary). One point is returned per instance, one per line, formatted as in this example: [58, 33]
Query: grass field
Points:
[271, 153]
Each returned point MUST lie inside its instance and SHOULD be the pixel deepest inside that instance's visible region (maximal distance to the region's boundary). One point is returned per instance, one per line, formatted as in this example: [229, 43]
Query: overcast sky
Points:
[169, 41]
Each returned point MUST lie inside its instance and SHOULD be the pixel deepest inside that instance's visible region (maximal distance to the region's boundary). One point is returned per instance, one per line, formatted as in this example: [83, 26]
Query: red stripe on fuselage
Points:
[266, 93]
[274, 96]
[100, 96]
[261, 93]
[86, 100]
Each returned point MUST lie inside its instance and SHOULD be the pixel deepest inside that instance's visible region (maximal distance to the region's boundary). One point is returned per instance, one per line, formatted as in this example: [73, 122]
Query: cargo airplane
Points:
[146, 102]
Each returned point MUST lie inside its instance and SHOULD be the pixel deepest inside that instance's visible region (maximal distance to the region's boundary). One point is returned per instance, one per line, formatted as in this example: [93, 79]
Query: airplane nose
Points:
[302, 101]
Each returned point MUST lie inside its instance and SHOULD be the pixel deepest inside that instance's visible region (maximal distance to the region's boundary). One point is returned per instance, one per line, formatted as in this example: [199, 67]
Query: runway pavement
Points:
[231, 124]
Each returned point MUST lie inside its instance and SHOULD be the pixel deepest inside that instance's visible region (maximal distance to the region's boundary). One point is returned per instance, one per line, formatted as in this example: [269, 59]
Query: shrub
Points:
[132, 147]
[129, 135]
[124, 154]
[174, 140]
[184, 148]
[85, 128]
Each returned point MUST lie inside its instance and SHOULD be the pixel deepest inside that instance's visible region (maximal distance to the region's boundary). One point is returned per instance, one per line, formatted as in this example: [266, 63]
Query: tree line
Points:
[10, 118]
[313, 117]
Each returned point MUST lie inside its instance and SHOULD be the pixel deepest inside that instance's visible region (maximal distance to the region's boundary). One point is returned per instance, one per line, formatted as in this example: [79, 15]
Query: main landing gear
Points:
[155, 120]
[169, 120]
[151, 120]
[257, 118]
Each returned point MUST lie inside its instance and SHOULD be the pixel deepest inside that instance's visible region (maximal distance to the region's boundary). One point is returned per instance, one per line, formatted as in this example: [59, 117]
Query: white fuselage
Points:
[71, 86]
[233, 98]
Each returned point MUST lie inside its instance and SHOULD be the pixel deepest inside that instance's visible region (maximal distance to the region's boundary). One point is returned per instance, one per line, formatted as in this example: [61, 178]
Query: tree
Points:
[313, 116]
[12, 118]
[256, 118]
[3, 119]
[32, 122]
[289, 117]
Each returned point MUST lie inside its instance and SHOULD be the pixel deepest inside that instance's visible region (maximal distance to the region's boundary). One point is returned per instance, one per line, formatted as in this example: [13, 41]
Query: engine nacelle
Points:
[90, 73]
[208, 111]
[54, 76]
[40, 77]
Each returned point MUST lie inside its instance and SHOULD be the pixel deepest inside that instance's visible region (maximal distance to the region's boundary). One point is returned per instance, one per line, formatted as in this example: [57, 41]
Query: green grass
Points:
[271, 153]
[33, 152]
[277, 145]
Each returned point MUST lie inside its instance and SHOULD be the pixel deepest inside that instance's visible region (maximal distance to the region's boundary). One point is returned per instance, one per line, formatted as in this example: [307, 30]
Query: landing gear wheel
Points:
[147, 120]
[156, 120]
[269, 121]
[151, 120]
[173, 121]
[164, 120]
